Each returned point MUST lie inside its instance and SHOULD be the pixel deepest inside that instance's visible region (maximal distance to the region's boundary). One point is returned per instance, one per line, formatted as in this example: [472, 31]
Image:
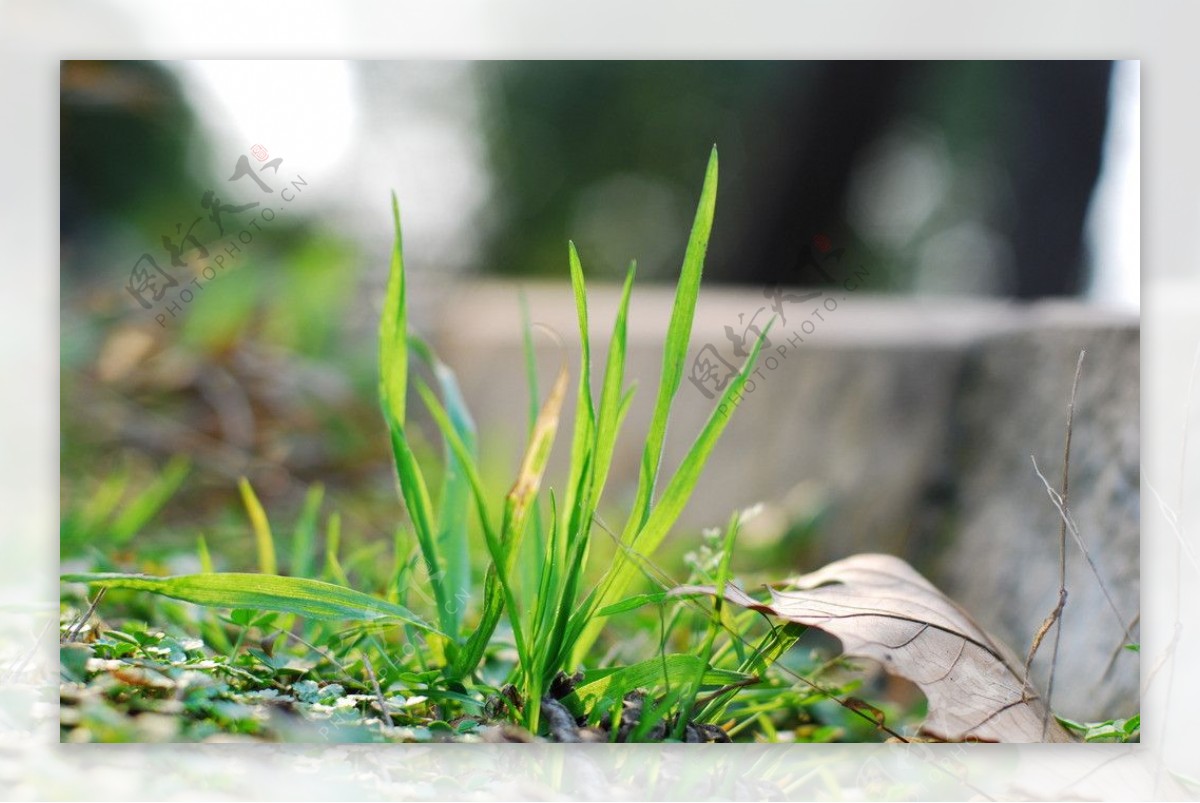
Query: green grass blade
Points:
[688, 700]
[86, 525]
[559, 606]
[468, 463]
[313, 599]
[102, 505]
[333, 542]
[493, 591]
[263, 540]
[528, 576]
[624, 570]
[604, 427]
[493, 608]
[420, 512]
[393, 331]
[633, 603]
[206, 564]
[516, 512]
[134, 516]
[304, 535]
[675, 349]
[612, 405]
[679, 489]
[560, 564]
[612, 685]
[454, 503]
[773, 645]
[585, 412]
[530, 357]
[393, 390]
[529, 478]
[548, 590]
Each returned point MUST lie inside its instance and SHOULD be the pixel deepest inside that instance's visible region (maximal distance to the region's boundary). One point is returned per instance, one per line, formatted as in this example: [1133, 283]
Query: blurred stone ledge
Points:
[903, 426]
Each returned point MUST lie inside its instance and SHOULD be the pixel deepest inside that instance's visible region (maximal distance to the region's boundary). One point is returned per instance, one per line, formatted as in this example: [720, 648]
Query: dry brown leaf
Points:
[880, 608]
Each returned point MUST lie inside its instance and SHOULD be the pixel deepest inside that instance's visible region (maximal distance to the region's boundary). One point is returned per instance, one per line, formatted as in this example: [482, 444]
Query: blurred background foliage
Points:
[963, 178]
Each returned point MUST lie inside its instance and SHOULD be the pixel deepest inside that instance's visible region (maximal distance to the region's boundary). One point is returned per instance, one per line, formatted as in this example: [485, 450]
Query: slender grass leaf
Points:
[393, 390]
[530, 357]
[585, 413]
[611, 401]
[609, 684]
[454, 503]
[420, 512]
[499, 593]
[393, 331]
[679, 332]
[313, 599]
[471, 654]
[101, 506]
[304, 535]
[493, 593]
[533, 465]
[633, 603]
[263, 540]
[333, 541]
[679, 489]
[624, 570]
[466, 460]
[138, 513]
[528, 567]
[206, 564]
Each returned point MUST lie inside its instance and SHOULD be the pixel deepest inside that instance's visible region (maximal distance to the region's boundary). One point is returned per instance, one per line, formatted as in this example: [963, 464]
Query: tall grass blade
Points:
[612, 405]
[675, 349]
[333, 542]
[202, 554]
[645, 540]
[393, 331]
[680, 488]
[493, 591]
[420, 512]
[466, 460]
[263, 540]
[454, 503]
[499, 592]
[528, 567]
[304, 535]
[393, 390]
[585, 413]
[138, 513]
[529, 478]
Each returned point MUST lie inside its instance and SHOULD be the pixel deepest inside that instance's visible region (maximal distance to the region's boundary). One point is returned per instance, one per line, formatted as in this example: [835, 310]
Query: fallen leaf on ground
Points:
[880, 608]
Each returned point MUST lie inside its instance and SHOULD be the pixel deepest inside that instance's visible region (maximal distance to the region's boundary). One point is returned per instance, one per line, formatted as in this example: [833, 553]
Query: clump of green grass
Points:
[542, 605]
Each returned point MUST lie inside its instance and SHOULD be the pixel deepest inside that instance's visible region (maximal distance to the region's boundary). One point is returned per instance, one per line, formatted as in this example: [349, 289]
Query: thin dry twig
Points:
[1073, 528]
[1055, 616]
[77, 628]
[323, 653]
[387, 718]
[1116, 653]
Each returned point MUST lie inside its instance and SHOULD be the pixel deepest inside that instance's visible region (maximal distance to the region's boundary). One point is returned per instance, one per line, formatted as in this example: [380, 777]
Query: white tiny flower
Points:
[750, 513]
